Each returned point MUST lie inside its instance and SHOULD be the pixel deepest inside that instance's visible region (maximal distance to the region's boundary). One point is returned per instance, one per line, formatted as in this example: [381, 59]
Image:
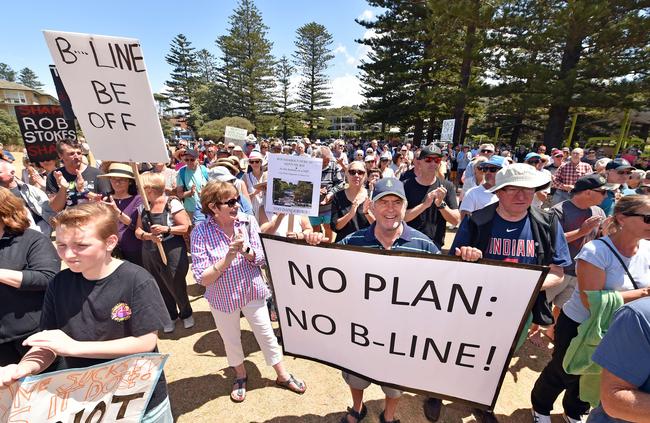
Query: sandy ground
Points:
[199, 380]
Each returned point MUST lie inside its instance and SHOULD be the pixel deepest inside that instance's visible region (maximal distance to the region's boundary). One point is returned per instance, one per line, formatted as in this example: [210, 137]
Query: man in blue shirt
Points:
[389, 232]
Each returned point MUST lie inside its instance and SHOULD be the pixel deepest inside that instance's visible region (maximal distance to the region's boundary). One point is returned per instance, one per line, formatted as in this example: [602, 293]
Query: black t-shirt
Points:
[93, 184]
[340, 207]
[430, 222]
[125, 303]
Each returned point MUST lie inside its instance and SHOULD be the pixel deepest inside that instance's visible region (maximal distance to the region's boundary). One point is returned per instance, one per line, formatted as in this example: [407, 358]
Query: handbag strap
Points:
[620, 260]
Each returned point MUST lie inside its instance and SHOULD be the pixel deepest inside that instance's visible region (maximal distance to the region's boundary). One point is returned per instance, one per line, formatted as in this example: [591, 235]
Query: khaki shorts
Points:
[358, 383]
[560, 294]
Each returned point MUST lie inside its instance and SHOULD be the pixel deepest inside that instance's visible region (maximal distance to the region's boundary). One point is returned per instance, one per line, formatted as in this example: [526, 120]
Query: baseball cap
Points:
[430, 150]
[221, 174]
[557, 153]
[370, 158]
[587, 182]
[520, 175]
[494, 161]
[388, 186]
[532, 156]
[386, 156]
[619, 164]
[192, 153]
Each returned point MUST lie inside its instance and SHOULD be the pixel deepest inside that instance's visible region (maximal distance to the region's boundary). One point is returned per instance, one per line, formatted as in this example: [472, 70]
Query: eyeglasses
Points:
[491, 169]
[517, 190]
[435, 159]
[487, 151]
[624, 172]
[230, 203]
[357, 172]
[254, 161]
[188, 160]
[646, 217]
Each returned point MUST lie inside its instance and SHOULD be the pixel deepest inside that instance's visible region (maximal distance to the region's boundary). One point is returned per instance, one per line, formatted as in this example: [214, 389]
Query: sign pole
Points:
[147, 207]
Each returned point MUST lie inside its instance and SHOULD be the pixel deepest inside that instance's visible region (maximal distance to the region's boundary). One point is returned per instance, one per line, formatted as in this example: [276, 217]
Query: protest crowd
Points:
[582, 214]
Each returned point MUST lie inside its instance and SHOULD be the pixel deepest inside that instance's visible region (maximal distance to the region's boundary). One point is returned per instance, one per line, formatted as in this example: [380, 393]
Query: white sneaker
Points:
[568, 419]
[170, 327]
[540, 418]
[188, 323]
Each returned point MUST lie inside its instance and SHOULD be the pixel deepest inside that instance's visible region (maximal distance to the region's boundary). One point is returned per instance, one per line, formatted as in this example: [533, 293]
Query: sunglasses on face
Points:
[486, 151]
[230, 203]
[599, 191]
[435, 159]
[357, 172]
[646, 217]
[624, 172]
[254, 161]
[188, 160]
[490, 169]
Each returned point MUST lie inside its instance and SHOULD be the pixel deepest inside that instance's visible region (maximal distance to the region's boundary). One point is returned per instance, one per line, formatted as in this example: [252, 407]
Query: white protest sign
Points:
[116, 391]
[293, 184]
[447, 132]
[235, 135]
[107, 82]
[422, 322]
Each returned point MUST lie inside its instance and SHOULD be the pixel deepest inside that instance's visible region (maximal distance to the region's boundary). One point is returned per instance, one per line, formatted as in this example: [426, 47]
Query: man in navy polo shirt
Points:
[389, 232]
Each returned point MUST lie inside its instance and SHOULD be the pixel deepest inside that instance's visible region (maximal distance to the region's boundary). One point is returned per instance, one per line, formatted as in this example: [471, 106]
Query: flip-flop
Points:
[239, 394]
[292, 384]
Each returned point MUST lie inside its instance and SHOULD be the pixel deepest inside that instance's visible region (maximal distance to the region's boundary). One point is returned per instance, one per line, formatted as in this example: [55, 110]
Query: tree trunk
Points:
[417, 132]
[643, 133]
[516, 131]
[460, 126]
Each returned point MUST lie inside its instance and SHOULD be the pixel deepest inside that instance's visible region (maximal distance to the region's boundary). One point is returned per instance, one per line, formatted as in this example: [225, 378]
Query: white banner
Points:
[447, 132]
[424, 323]
[293, 185]
[118, 390]
[235, 135]
[107, 82]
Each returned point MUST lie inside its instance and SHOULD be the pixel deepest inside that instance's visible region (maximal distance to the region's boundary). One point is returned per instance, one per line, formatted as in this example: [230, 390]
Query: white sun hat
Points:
[521, 175]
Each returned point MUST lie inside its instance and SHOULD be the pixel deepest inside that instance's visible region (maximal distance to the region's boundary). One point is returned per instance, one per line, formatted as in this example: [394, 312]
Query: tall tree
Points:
[284, 71]
[7, 73]
[183, 79]
[247, 72]
[29, 78]
[207, 67]
[312, 56]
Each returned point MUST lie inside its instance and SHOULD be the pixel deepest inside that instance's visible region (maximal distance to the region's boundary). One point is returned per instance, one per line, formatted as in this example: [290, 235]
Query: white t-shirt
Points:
[476, 198]
[388, 173]
[536, 201]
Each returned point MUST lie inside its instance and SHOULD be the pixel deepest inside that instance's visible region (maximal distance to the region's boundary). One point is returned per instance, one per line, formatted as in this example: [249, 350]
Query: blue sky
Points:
[155, 23]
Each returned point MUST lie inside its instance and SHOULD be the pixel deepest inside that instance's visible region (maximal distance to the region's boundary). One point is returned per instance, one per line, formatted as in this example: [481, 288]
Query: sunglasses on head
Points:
[230, 203]
[435, 159]
[491, 169]
[646, 217]
[357, 172]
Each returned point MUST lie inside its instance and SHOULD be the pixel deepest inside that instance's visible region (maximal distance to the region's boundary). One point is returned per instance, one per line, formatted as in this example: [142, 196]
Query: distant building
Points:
[14, 94]
[344, 123]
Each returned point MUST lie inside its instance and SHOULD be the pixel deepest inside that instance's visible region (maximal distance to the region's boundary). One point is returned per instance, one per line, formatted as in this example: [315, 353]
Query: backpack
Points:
[183, 171]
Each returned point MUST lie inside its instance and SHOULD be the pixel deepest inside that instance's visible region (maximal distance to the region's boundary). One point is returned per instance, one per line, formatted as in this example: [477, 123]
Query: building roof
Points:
[7, 85]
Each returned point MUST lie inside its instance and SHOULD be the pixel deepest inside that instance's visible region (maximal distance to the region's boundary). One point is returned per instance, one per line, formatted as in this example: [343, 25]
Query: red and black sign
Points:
[41, 127]
[64, 100]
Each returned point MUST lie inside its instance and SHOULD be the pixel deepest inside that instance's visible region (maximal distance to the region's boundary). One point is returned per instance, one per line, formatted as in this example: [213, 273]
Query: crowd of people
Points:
[128, 254]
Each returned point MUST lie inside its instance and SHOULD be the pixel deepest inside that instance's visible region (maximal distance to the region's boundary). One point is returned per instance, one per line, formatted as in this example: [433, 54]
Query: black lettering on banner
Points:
[462, 353]
[431, 286]
[457, 289]
[430, 343]
[125, 399]
[391, 349]
[394, 299]
[327, 318]
[136, 59]
[309, 281]
[363, 334]
[106, 98]
[99, 408]
[335, 270]
[66, 55]
[301, 322]
[368, 287]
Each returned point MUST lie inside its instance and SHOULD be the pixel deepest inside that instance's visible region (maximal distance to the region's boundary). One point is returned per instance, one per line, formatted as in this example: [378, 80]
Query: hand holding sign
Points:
[11, 373]
[55, 340]
[469, 253]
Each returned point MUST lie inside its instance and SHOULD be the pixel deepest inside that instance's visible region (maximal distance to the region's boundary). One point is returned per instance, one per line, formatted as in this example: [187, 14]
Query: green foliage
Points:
[247, 71]
[312, 56]
[284, 71]
[167, 128]
[7, 73]
[183, 78]
[302, 191]
[9, 130]
[215, 129]
[29, 78]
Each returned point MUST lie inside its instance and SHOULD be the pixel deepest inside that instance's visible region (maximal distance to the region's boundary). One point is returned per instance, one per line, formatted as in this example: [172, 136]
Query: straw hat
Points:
[119, 170]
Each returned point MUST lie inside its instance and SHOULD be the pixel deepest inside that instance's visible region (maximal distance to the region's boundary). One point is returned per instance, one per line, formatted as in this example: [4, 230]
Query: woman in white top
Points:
[384, 165]
[253, 178]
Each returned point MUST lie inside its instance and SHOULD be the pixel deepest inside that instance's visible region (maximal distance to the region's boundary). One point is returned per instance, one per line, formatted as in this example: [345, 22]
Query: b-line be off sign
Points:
[423, 323]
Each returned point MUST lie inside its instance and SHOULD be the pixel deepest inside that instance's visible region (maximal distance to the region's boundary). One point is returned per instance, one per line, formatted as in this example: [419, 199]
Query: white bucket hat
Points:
[520, 175]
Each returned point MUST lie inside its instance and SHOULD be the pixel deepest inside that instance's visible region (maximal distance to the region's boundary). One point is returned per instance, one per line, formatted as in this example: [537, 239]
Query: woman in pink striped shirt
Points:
[226, 259]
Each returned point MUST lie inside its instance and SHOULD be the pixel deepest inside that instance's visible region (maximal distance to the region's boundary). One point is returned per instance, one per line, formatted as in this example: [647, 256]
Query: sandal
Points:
[382, 419]
[292, 384]
[359, 415]
[239, 394]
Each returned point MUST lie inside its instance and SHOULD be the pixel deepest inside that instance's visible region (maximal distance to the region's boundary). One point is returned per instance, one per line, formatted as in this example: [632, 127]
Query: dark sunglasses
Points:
[188, 160]
[254, 161]
[230, 203]
[435, 159]
[624, 172]
[487, 151]
[357, 172]
[646, 217]
[491, 169]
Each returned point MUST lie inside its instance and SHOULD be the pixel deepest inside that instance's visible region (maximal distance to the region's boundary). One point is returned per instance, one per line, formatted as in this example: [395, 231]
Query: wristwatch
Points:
[247, 250]
[442, 205]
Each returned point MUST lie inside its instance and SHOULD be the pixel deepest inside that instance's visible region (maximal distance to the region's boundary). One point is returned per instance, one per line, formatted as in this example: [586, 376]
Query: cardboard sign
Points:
[107, 82]
[41, 128]
[447, 132]
[117, 391]
[293, 184]
[425, 323]
[235, 135]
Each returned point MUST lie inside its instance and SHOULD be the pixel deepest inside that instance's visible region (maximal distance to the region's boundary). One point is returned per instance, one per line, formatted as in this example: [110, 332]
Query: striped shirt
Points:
[411, 240]
[242, 281]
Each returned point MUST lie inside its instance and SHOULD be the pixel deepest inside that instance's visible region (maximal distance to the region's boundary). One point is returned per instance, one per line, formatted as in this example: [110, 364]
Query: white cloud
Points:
[346, 91]
[366, 15]
[343, 51]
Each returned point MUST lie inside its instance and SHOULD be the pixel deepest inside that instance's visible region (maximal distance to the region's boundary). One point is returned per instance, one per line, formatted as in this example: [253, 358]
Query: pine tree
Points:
[247, 73]
[206, 66]
[28, 77]
[284, 71]
[312, 56]
[184, 75]
[7, 73]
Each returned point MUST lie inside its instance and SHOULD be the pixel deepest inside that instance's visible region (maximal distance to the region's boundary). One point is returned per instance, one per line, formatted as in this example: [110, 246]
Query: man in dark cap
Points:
[618, 173]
